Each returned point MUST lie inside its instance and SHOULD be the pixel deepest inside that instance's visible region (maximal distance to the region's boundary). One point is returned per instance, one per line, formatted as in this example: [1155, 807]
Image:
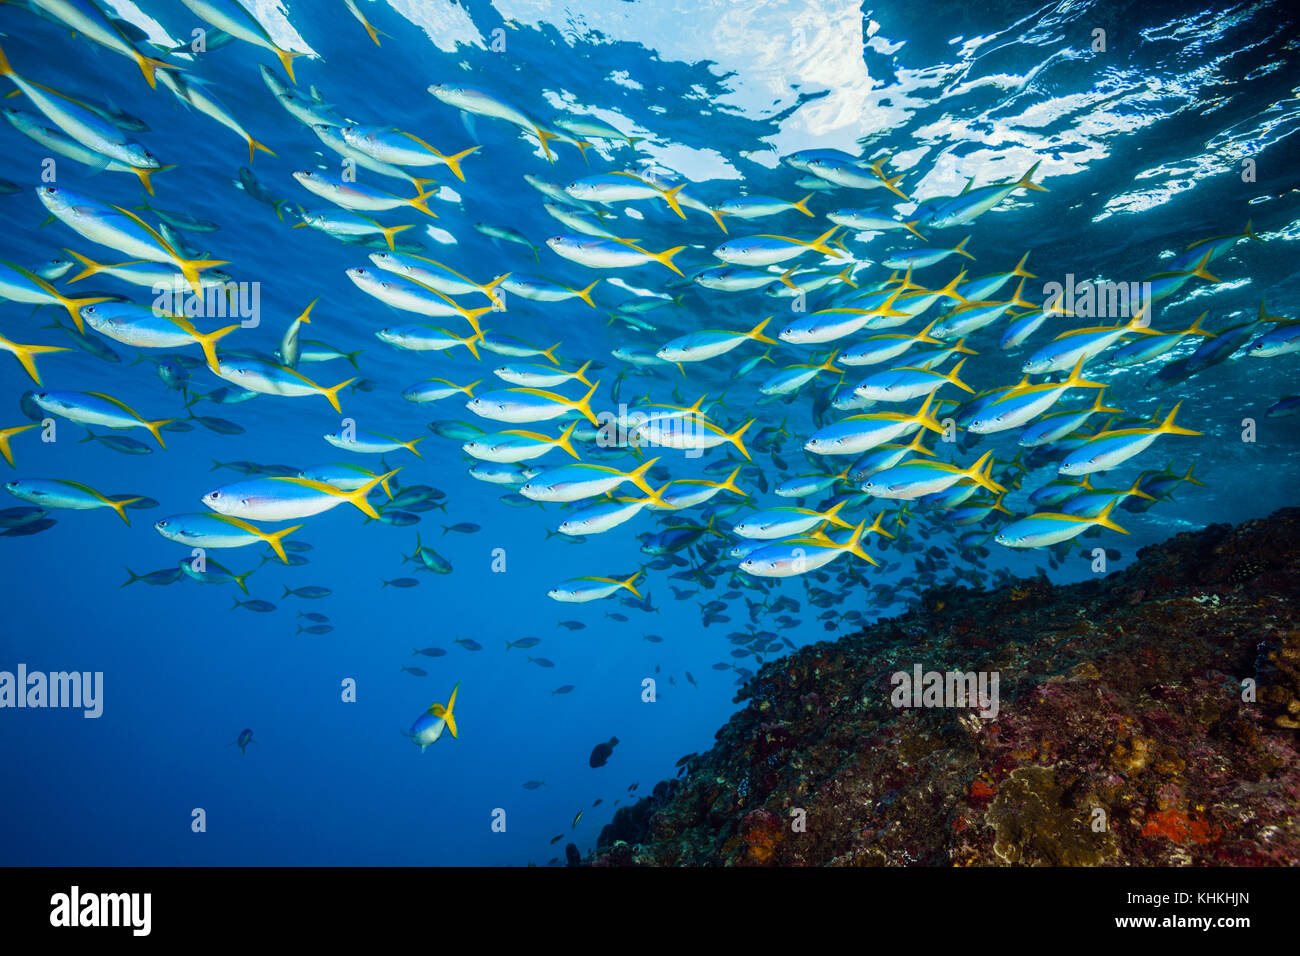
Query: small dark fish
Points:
[34, 527]
[464, 527]
[562, 689]
[571, 826]
[218, 425]
[313, 616]
[417, 671]
[541, 662]
[621, 618]
[262, 607]
[524, 642]
[398, 519]
[601, 752]
[557, 838]
[311, 591]
[469, 643]
[429, 651]
[292, 560]
[534, 784]
[13, 517]
[165, 576]
[599, 801]
[653, 638]
[400, 583]
[315, 629]
[124, 444]
[573, 625]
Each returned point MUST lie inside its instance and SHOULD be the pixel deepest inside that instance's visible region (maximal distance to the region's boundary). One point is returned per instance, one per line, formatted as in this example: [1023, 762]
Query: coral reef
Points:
[1147, 717]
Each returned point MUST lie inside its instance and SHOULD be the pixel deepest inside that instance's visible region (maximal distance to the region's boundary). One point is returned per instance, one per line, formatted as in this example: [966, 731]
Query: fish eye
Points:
[214, 495]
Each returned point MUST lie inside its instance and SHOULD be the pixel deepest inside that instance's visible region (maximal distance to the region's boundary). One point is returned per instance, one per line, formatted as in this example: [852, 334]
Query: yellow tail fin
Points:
[26, 354]
[832, 514]
[447, 714]
[92, 267]
[421, 203]
[1103, 519]
[390, 231]
[254, 146]
[333, 393]
[358, 497]
[960, 248]
[74, 306]
[453, 161]
[1024, 181]
[583, 405]
[918, 444]
[854, 544]
[7, 433]
[728, 485]
[273, 538]
[190, 269]
[544, 137]
[154, 429]
[735, 439]
[628, 584]
[637, 476]
[565, 440]
[1169, 428]
[208, 342]
[950, 290]
[581, 374]
[981, 473]
[286, 61]
[1017, 300]
[585, 294]
[953, 377]
[120, 507]
[820, 243]
[666, 258]
[1196, 328]
[147, 66]
[1076, 379]
[756, 332]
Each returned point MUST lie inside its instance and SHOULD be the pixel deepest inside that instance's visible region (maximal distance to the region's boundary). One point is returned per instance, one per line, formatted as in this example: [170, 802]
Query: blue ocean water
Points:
[1179, 129]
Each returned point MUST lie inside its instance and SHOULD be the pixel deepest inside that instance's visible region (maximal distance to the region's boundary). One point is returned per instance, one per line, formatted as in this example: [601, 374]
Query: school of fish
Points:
[841, 426]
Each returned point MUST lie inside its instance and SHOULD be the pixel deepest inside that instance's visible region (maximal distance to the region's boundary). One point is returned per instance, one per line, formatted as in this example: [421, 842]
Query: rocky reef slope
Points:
[1148, 717]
